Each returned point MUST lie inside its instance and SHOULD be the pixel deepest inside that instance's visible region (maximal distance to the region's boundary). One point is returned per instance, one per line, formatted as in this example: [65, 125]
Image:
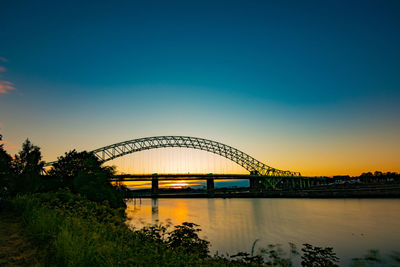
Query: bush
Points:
[317, 256]
[185, 239]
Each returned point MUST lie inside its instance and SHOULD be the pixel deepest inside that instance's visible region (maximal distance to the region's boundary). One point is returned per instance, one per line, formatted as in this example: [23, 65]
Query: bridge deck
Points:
[190, 176]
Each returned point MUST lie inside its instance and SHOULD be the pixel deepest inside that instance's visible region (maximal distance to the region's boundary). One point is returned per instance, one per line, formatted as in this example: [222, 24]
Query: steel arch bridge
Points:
[246, 161]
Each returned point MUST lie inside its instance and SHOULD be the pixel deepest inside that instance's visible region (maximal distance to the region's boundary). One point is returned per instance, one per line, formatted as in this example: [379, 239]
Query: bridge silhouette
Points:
[260, 175]
[246, 161]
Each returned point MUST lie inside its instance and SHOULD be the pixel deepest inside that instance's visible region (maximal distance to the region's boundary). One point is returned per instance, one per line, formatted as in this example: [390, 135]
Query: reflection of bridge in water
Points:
[260, 175]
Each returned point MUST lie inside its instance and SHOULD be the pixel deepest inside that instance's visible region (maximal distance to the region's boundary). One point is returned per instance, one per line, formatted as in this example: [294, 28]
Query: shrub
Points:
[317, 256]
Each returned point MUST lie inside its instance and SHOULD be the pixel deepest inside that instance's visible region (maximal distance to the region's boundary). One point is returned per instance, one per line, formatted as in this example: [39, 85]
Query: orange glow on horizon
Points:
[163, 184]
[177, 184]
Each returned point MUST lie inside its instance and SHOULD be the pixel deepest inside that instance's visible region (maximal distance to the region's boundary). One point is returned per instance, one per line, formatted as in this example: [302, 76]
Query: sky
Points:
[309, 86]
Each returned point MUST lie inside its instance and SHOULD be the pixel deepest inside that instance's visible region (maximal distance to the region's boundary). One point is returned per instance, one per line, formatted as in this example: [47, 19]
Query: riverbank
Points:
[338, 191]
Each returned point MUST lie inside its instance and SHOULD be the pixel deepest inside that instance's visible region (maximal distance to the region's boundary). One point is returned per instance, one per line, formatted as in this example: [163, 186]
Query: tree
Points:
[83, 173]
[6, 174]
[96, 187]
[28, 165]
[72, 163]
[366, 174]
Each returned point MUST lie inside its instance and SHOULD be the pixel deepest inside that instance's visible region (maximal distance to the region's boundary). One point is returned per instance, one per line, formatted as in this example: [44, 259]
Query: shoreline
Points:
[381, 191]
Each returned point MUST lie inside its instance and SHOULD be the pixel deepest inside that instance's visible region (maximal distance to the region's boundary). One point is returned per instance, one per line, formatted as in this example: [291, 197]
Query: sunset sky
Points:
[309, 86]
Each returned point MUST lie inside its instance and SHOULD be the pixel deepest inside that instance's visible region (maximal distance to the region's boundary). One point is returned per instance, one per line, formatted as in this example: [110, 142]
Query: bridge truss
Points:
[254, 166]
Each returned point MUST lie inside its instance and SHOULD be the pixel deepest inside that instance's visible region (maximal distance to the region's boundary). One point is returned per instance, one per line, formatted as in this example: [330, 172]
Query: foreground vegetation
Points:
[75, 217]
[73, 231]
[70, 230]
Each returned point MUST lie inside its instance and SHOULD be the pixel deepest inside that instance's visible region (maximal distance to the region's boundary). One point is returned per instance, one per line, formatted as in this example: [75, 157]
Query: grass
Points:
[15, 246]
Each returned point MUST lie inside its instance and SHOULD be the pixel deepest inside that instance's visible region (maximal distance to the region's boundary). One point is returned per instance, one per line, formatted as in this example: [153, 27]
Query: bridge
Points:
[260, 174]
[257, 182]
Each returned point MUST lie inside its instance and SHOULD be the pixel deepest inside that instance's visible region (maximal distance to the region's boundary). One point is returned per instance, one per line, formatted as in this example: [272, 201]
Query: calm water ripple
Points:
[351, 226]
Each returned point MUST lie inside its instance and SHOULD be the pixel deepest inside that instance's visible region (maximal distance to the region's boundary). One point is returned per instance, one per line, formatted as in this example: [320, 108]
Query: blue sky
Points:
[292, 83]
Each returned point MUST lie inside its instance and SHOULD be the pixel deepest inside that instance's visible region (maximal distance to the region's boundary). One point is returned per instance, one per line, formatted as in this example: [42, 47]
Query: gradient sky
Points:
[310, 86]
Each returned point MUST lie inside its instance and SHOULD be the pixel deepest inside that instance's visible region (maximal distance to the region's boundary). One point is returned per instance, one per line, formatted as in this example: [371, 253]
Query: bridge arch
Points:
[246, 161]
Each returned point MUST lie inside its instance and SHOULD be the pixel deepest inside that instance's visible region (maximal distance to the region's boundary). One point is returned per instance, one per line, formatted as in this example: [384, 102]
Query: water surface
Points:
[351, 226]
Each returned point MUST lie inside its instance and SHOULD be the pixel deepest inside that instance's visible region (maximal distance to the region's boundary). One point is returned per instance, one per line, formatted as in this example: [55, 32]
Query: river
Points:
[350, 226]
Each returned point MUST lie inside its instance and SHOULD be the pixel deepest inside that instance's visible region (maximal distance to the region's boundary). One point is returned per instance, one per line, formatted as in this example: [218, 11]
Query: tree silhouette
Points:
[73, 163]
[29, 159]
[27, 166]
[83, 173]
[6, 173]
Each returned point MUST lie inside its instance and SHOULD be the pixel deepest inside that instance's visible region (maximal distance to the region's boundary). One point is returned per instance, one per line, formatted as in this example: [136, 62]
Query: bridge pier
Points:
[254, 183]
[210, 185]
[251, 182]
[154, 184]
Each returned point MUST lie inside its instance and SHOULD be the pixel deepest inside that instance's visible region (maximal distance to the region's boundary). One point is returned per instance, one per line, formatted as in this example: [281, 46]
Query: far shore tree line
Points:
[380, 174]
[79, 172]
[377, 177]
